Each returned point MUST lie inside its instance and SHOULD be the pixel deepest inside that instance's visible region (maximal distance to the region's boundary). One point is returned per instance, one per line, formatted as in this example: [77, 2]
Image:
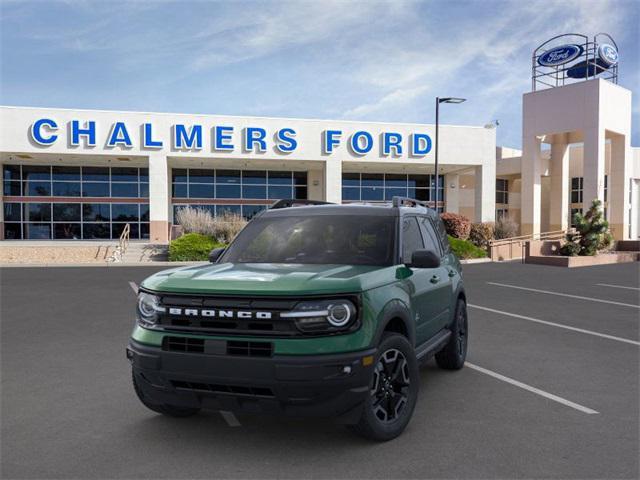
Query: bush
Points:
[458, 226]
[192, 247]
[223, 227]
[505, 228]
[464, 249]
[591, 235]
[481, 234]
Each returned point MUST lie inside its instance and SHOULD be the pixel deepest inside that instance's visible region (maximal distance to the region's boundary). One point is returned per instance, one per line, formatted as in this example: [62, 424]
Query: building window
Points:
[502, 213]
[573, 212]
[576, 190]
[65, 213]
[606, 187]
[260, 186]
[502, 190]
[382, 187]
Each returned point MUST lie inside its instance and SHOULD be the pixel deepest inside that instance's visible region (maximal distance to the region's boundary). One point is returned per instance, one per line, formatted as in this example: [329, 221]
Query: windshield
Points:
[317, 239]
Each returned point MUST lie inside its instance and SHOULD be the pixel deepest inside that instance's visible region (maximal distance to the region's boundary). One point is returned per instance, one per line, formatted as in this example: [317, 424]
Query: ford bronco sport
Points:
[312, 310]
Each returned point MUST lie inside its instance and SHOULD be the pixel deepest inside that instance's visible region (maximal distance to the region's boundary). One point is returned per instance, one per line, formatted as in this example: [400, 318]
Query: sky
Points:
[344, 60]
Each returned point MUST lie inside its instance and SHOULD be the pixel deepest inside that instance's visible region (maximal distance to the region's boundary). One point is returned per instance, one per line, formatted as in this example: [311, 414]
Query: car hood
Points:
[270, 279]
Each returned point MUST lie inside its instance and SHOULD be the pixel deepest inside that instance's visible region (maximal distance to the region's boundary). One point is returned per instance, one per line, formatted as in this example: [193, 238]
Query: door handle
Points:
[452, 273]
[435, 279]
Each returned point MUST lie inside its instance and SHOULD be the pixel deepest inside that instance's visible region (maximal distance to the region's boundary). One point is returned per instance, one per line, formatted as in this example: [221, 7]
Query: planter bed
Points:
[602, 259]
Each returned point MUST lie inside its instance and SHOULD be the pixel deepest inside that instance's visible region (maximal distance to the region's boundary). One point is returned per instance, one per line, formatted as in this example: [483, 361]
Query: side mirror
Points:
[215, 254]
[424, 259]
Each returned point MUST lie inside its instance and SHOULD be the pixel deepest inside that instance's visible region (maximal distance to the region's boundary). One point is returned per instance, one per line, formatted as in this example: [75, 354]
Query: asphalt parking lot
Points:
[551, 389]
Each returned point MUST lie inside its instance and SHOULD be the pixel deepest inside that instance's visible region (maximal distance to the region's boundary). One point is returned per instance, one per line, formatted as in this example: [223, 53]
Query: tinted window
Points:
[66, 212]
[430, 237]
[66, 173]
[35, 172]
[442, 232]
[411, 238]
[317, 239]
[100, 174]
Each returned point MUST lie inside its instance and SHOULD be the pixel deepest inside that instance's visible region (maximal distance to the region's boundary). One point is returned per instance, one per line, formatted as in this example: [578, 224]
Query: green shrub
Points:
[464, 249]
[481, 234]
[192, 247]
[592, 233]
[457, 226]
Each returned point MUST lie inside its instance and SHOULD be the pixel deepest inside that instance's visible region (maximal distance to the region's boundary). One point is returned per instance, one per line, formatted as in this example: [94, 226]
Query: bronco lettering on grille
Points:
[194, 312]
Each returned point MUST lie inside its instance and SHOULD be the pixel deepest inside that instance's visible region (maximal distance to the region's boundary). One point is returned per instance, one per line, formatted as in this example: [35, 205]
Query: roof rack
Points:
[407, 202]
[290, 202]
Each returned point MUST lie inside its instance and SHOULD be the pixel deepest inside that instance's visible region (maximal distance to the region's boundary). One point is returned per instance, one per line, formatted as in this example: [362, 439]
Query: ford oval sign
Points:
[608, 54]
[560, 55]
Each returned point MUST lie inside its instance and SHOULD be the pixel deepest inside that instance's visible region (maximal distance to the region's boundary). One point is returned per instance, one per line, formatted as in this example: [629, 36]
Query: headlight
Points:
[148, 308]
[323, 316]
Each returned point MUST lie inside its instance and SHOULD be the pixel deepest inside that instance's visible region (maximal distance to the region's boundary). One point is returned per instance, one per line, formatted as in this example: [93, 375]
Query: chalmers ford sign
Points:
[222, 138]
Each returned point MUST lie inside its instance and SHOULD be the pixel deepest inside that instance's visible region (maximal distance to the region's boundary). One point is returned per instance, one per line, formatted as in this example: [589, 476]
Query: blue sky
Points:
[365, 60]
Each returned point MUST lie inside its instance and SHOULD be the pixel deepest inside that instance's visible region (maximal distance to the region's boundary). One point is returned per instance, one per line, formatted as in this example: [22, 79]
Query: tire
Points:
[164, 409]
[393, 391]
[454, 353]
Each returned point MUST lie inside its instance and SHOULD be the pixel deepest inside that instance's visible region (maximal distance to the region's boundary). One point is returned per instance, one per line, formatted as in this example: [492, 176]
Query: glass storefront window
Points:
[378, 187]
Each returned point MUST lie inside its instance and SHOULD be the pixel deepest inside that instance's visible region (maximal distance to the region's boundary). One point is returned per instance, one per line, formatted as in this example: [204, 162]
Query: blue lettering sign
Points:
[331, 139]
[357, 146]
[119, 136]
[37, 134]
[391, 140]
[286, 140]
[221, 137]
[147, 138]
[186, 139]
[255, 136]
[89, 131]
[420, 144]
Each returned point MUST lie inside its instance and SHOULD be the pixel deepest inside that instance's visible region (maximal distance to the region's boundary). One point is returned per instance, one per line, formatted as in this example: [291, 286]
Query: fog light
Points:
[368, 360]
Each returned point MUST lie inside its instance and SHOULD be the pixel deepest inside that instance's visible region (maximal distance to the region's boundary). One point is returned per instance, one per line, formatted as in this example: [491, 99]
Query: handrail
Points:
[534, 236]
[123, 244]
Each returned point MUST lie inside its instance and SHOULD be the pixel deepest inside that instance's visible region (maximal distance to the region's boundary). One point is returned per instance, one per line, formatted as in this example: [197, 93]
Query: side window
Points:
[442, 233]
[431, 241]
[411, 238]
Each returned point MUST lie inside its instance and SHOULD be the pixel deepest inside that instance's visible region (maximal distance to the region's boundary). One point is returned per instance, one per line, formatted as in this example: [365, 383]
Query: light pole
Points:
[438, 102]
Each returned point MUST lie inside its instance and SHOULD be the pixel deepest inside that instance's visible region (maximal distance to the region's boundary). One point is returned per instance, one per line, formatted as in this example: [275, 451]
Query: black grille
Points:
[229, 389]
[183, 344]
[268, 327]
[249, 349]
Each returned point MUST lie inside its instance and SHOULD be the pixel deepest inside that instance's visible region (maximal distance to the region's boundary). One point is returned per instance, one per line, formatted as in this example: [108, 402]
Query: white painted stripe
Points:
[134, 287]
[590, 299]
[531, 389]
[616, 286]
[230, 418]
[559, 325]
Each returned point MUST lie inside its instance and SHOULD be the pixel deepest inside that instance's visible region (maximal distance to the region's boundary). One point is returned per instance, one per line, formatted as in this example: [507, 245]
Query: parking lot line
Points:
[590, 299]
[552, 324]
[616, 286]
[230, 418]
[134, 287]
[531, 389]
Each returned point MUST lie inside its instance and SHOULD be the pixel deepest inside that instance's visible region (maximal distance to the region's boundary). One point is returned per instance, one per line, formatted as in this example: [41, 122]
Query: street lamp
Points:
[438, 102]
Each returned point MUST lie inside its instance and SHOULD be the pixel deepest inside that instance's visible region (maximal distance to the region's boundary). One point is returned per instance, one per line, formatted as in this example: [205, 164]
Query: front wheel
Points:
[454, 353]
[393, 390]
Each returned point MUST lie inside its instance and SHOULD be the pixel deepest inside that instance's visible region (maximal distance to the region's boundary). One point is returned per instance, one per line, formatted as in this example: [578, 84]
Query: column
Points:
[531, 188]
[559, 195]
[315, 190]
[485, 192]
[593, 167]
[333, 180]
[452, 192]
[159, 198]
[1, 208]
[618, 188]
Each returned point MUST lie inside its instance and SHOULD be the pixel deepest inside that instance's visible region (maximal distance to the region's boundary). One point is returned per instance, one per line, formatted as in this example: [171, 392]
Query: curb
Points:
[475, 260]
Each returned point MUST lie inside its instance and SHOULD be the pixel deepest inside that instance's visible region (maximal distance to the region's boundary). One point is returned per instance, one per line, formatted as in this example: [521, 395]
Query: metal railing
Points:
[521, 241]
[123, 244]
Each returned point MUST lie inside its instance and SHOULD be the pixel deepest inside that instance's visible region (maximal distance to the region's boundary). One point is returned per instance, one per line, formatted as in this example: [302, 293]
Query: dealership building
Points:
[85, 174]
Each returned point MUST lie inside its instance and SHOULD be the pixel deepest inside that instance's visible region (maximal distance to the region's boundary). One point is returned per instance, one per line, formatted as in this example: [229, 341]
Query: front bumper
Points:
[294, 385]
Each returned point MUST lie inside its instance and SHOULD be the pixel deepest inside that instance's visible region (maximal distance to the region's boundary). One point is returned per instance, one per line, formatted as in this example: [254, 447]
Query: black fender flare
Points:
[395, 309]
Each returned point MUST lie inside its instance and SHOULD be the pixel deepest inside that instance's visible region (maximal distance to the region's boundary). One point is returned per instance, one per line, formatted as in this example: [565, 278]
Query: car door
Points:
[441, 279]
[420, 287]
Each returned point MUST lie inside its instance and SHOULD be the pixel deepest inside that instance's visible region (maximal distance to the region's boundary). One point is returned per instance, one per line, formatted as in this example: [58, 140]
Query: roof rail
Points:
[290, 202]
[407, 202]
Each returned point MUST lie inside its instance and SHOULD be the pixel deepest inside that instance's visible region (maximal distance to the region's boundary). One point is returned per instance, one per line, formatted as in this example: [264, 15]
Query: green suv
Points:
[323, 310]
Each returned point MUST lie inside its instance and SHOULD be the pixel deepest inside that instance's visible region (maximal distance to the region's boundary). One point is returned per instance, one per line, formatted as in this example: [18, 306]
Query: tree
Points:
[591, 235]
